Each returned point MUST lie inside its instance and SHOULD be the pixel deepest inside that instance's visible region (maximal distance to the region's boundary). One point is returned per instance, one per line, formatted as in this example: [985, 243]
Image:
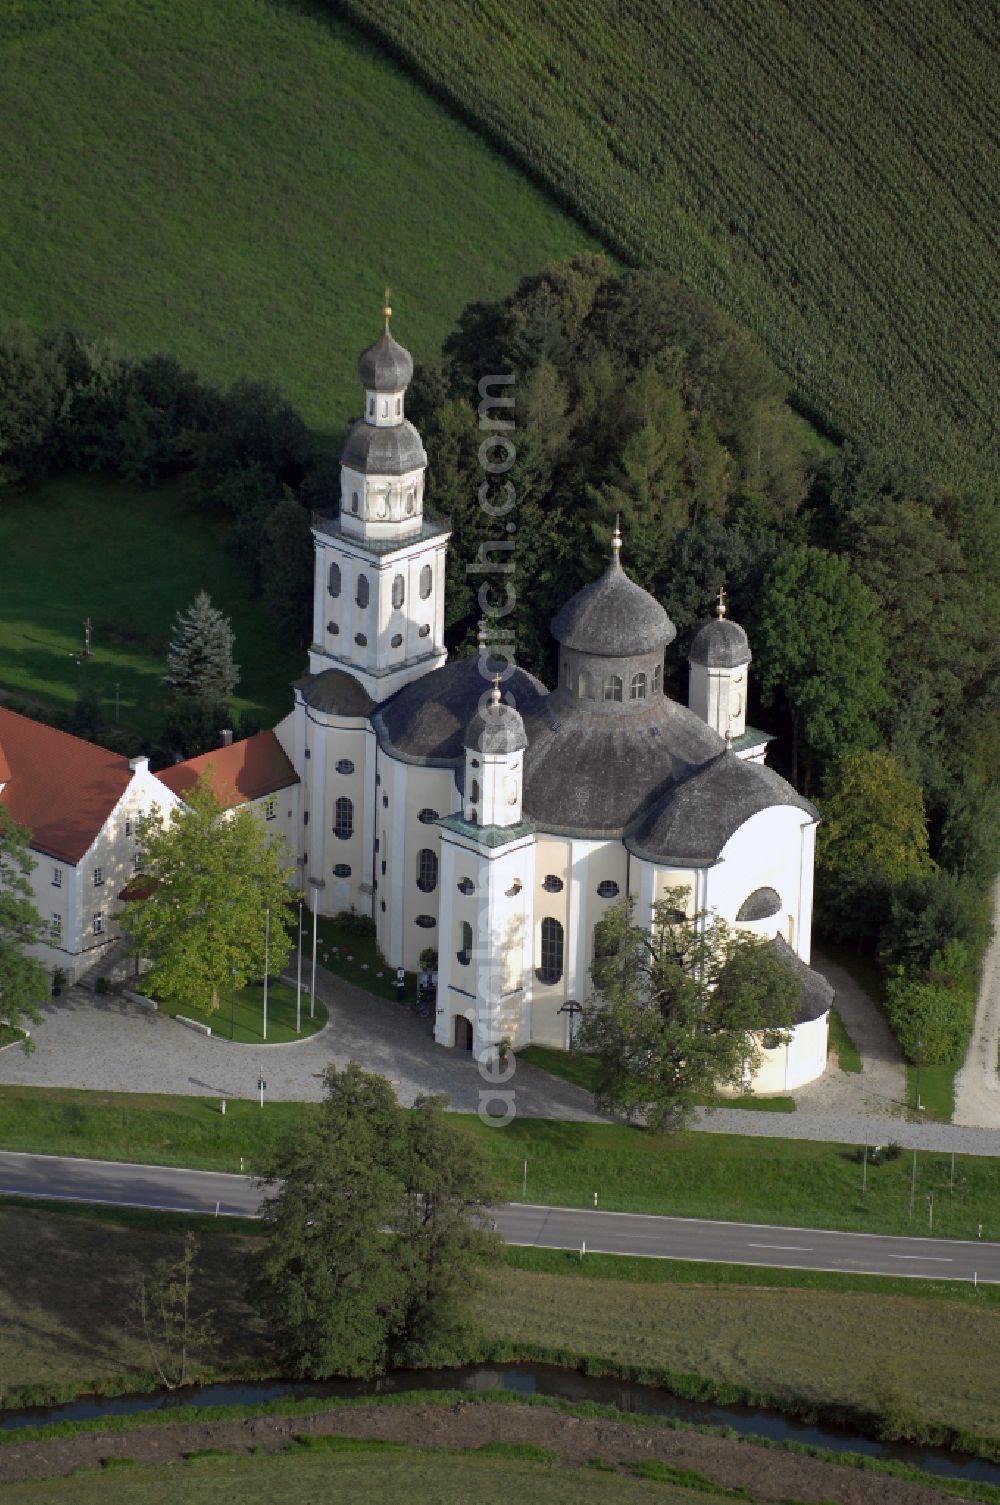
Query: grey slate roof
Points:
[817, 993]
[721, 644]
[496, 729]
[613, 616]
[387, 451]
[385, 366]
[597, 774]
[335, 691]
[426, 720]
[697, 818]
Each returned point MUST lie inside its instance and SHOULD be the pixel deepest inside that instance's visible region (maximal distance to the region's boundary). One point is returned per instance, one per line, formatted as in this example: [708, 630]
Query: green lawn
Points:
[87, 546]
[234, 183]
[352, 954]
[841, 1044]
[745, 1178]
[576, 1066]
[363, 1473]
[937, 1091]
[246, 1010]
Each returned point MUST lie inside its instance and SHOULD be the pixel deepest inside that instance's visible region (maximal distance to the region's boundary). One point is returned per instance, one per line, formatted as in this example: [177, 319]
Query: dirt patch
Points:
[768, 1473]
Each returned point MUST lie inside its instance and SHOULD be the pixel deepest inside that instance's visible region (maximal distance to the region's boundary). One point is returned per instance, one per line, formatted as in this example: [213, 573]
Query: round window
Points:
[396, 641]
[608, 889]
[345, 765]
[552, 884]
[425, 921]
[361, 640]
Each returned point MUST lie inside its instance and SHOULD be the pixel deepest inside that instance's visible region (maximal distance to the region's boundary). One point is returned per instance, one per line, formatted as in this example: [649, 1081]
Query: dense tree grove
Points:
[24, 983]
[376, 1219]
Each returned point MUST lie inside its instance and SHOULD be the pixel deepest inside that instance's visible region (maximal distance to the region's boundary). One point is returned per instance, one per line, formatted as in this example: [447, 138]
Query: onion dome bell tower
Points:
[495, 740]
[719, 660]
[378, 605]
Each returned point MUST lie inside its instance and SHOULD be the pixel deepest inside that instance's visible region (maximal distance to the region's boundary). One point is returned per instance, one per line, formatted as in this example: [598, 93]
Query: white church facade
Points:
[496, 823]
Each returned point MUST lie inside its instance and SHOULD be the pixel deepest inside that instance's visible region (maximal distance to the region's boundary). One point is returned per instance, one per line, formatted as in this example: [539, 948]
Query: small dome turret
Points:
[385, 366]
[721, 644]
[496, 729]
[613, 617]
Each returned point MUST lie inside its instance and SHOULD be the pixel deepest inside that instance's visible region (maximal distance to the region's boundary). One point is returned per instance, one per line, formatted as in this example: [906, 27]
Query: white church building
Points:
[496, 822]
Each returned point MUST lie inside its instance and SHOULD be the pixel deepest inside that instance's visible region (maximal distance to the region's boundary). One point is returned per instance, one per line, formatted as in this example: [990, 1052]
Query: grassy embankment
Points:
[894, 1344]
[575, 1066]
[819, 179]
[743, 1178]
[234, 183]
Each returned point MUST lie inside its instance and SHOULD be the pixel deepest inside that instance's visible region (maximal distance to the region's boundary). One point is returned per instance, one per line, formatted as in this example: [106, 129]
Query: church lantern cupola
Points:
[495, 741]
[718, 661]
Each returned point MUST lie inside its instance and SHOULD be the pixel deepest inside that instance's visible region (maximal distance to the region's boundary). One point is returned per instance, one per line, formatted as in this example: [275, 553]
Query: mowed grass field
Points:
[829, 175]
[234, 183]
[344, 1478]
[937, 1358]
[88, 546]
[731, 1176]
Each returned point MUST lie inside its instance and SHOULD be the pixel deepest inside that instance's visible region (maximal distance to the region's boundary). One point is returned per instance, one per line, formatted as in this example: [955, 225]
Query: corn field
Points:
[826, 172]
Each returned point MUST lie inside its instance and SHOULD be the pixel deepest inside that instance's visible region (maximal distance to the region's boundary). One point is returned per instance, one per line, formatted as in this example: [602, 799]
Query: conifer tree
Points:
[200, 659]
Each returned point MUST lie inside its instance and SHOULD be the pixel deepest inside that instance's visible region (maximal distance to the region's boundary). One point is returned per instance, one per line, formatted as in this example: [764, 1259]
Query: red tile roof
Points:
[243, 771]
[61, 788]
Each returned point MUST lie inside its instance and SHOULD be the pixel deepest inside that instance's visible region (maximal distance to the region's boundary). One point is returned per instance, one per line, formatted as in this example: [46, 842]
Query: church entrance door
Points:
[463, 1034]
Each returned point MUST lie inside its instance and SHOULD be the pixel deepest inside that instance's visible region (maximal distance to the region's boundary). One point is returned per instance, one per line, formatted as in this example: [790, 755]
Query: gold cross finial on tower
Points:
[616, 540]
[720, 605]
[495, 696]
[387, 310]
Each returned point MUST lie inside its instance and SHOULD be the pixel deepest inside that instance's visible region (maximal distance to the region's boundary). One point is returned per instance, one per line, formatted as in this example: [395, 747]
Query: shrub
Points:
[940, 1014]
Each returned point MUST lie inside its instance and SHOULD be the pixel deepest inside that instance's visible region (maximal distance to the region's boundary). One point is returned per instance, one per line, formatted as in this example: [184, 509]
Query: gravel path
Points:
[977, 1085]
[849, 1128]
[879, 1089]
[107, 1044]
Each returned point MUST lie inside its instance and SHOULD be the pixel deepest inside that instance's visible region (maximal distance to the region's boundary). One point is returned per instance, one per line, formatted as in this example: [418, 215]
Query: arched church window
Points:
[657, 679]
[612, 687]
[637, 689]
[585, 685]
[551, 958]
[362, 595]
[465, 943]
[333, 581]
[427, 870]
[426, 582]
[343, 818]
[398, 592]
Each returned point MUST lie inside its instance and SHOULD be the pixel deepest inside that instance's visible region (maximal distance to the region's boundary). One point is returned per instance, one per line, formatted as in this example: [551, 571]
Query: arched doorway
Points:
[463, 1033]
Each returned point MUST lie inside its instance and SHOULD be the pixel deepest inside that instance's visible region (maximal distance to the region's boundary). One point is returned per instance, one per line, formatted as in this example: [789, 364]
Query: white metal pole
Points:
[267, 960]
[312, 994]
[298, 980]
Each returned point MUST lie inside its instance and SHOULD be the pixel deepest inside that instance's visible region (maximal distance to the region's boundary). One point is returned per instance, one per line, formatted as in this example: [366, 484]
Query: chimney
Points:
[139, 765]
[227, 737]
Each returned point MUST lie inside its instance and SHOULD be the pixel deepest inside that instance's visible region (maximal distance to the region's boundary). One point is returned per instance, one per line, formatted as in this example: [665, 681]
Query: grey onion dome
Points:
[613, 616]
[496, 729]
[390, 451]
[385, 366]
[721, 644]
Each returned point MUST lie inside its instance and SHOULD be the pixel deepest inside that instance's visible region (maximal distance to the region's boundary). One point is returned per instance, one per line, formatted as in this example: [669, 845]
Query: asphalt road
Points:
[173, 1189]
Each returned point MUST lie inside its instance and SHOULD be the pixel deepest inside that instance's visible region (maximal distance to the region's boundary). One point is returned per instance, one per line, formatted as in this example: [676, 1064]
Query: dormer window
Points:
[637, 689]
[612, 687]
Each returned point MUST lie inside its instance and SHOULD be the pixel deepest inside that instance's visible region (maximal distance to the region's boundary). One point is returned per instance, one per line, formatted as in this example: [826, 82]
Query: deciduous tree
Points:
[24, 983]
[211, 877]
[679, 1008]
[873, 817]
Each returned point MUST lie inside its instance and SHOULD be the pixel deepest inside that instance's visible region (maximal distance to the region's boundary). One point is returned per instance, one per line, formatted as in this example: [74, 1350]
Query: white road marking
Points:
[936, 1259]
[798, 1248]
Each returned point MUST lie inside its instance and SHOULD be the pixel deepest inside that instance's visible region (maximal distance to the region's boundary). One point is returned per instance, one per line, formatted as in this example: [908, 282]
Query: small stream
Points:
[523, 1379]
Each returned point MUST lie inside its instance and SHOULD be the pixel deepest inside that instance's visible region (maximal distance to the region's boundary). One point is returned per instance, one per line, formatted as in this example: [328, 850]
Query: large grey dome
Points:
[385, 366]
[496, 730]
[390, 451]
[336, 692]
[614, 617]
[696, 819]
[720, 644]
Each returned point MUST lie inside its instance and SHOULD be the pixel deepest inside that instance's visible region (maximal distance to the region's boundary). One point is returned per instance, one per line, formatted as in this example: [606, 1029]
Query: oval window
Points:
[427, 816]
[361, 640]
[396, 641]
[424, 631]
[362, 595]
[426, 581]
[342, 870]
[466, 886]
[345, 765]
[333, 629]
[333, 581]
[398, 592]
[761, 905]
[608, 888]
[425, 921]
[552, 884]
